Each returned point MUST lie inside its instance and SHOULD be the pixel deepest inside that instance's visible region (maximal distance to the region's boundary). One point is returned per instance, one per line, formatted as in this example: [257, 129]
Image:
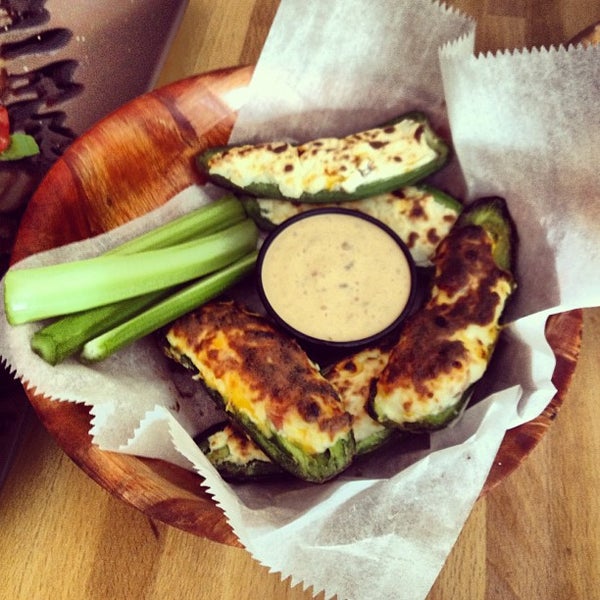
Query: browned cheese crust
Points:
[271, 371]
[430, 349]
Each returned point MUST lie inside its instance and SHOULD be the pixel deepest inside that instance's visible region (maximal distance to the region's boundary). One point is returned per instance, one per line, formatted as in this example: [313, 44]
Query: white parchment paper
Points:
[523, 126]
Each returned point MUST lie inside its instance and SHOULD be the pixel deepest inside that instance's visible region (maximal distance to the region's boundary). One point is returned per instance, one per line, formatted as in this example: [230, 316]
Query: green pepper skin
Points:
[377, 440]
[443, 198]
[462, 353]
[433, 422]
[243, 361]
[492, 214]
[269, 190]
[351, 377]
[231, 469]
[420, 215]
[314, 468]
[255, 210]
[287, 457]
[224, 459]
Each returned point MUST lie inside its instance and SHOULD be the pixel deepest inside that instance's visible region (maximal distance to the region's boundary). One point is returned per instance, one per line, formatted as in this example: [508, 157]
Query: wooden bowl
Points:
[129, 163]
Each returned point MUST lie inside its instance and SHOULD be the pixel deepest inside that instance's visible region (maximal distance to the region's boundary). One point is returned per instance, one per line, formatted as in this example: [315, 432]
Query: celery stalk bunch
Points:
[109, 301]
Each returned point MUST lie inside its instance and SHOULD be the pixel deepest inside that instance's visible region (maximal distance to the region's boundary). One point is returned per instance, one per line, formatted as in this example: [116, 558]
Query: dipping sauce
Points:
[336, 276]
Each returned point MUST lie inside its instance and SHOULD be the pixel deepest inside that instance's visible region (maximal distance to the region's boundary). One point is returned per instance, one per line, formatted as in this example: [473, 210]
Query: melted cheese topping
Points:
[418, 219]
[410, 403]
[327, 163]
[352, 378]
[261, 375]
[446, 347]
[240, 449]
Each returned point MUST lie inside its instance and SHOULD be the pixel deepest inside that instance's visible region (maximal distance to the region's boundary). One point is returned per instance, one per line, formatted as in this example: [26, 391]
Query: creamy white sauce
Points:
[336, 277]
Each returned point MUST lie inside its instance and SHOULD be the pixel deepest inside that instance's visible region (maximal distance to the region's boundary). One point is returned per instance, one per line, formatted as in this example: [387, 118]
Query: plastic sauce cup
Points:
[335, 277]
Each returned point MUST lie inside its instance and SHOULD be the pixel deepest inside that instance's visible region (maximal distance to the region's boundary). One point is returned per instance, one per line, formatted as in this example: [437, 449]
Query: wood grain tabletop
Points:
[536, 536]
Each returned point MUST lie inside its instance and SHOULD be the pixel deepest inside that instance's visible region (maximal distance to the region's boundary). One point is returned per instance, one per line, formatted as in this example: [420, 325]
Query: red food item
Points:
[4, 129]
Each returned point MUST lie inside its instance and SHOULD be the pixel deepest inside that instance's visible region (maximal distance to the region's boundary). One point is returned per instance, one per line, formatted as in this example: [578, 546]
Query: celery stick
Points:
[65, 337]
[49, 291]
[209, 218]
[167, 310]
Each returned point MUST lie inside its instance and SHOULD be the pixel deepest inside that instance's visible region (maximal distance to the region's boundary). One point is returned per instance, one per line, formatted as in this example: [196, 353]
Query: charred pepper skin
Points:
[451, 339]
[440, 155]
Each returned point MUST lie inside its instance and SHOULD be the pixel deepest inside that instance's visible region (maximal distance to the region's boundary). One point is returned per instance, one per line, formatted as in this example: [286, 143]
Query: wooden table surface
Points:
[534, 537]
